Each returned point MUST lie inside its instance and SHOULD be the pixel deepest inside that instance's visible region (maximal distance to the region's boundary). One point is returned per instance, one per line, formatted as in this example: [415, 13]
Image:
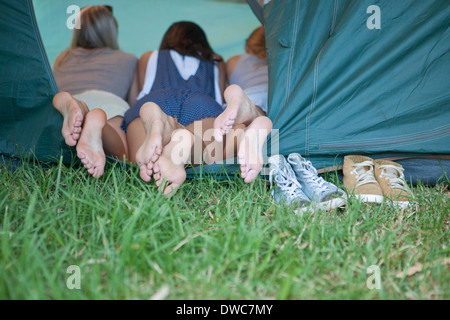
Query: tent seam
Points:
[316, 82]
[291, 54]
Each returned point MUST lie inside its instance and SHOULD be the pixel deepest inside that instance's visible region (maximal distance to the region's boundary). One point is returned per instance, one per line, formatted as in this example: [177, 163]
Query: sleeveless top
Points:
[186, 98]
[169, 77]
[186, 66]
[250, 71]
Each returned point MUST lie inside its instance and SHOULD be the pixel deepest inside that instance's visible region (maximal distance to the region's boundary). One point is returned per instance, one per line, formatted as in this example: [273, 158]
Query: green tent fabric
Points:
[338, 87]
[29, 125]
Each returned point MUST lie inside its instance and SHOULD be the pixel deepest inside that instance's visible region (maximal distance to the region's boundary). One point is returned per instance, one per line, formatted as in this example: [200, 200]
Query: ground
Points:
[213, 240]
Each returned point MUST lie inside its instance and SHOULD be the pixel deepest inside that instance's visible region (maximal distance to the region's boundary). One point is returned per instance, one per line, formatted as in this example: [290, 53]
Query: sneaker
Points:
[390, 176]
[325, 194]
[286, 187]
[359, 178]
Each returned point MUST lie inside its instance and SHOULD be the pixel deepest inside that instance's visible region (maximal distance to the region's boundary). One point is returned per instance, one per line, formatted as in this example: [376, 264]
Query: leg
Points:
[169, 171]
[250, 148]
[114, 139]
[240, 110]
[73, 112]
[90, 147]
[135, 138]
[203, 131]
[158, 128]
[226, 149]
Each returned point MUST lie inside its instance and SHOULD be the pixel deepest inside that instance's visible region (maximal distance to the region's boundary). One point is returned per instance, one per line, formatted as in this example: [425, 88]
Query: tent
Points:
[361, 77]
[365, 77]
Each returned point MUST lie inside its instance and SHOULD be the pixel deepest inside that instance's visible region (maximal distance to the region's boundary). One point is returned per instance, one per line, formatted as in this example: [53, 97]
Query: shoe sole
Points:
[331, 204]
[322, 206]
[401, 204]
[373, 198]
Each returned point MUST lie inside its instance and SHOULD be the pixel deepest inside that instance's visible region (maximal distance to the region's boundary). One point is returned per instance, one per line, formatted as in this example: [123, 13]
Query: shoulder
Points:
[218, 58]
[232, 62]
[61, 58]
[146, 55]
[130, 58]
[234, 59]
[143, 60]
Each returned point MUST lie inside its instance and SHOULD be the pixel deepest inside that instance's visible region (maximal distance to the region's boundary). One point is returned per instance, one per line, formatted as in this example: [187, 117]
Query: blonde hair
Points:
[98, 29]
[256, 43]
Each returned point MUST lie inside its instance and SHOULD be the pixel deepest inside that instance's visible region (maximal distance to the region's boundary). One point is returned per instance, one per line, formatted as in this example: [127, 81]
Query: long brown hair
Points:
[188, 39]
[98, 29]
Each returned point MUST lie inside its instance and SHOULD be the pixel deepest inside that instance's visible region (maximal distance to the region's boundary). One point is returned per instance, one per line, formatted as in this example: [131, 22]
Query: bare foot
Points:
[240, 110]
[90, 147]
[250, 148]
[168, 175]
[158, 126]
[169, 172]
[73, 112]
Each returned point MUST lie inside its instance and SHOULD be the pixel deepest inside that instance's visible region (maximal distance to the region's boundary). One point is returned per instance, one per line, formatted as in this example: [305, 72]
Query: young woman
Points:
[250, 70]
[185, 78]
[94, 73]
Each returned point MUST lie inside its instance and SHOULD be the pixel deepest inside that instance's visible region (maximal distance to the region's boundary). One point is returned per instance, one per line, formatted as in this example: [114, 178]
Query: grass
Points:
[212, 240]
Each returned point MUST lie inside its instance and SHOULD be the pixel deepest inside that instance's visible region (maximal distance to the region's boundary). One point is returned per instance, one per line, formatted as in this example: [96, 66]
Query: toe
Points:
[251, 176]
[154, 158]
[218, 135]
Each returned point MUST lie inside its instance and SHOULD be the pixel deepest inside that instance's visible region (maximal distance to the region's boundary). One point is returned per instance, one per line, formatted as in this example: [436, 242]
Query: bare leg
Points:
[114, 139]
[169, 171]
[135, 138]
[90, 147]
[250, 148]
[240, 110]
[159, 128]
[226, 149]
[73, 112]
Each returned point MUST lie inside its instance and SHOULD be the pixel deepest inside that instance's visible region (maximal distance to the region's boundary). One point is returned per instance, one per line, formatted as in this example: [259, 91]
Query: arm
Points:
[223, 78]
[60, 58]
[134, 89]
[231, 64]
[142, 68]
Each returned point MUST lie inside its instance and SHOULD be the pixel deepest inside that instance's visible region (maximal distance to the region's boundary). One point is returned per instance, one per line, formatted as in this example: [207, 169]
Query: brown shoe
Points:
[359, 178]
[390, 176]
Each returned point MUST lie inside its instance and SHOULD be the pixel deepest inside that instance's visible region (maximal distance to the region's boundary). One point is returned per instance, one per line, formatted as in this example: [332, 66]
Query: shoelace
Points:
[286, 182]
[395, 175]
[310, 173]
[363, 176]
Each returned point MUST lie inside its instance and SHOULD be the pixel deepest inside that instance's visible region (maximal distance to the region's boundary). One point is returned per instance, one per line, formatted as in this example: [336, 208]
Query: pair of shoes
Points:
[298, 183]
[376, 180]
